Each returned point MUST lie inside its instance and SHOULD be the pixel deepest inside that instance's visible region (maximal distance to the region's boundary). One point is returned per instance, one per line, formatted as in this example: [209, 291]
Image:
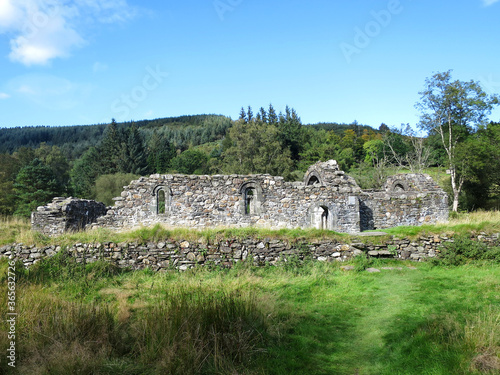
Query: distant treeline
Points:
[182, 131]
[75, 140]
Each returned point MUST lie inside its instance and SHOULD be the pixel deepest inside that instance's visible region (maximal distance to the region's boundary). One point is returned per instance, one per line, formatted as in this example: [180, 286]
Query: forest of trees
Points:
[39, 163]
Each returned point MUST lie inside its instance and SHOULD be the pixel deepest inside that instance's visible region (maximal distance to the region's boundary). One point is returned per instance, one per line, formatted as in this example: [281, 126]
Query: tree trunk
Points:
[455, 201]
[456, 190]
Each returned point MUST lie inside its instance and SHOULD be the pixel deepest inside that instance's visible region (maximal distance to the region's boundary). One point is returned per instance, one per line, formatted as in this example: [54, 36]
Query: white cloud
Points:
[50, 92]
[99, 67]
[4, 96]
[487, 3]
[47, 29]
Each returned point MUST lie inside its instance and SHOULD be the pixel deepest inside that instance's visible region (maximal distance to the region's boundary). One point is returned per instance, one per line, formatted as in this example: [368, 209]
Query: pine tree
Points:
[291, 132]
[111, 149]
[160, 153]
[134, 159]
[249, 114]
[35, 186]
[85, 172]
[271, 117]
[243, 115]
[263, 114]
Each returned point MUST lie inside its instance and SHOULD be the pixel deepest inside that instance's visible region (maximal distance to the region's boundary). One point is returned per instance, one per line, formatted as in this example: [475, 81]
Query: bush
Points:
[190, 162]
[109, 186]
[465, 250]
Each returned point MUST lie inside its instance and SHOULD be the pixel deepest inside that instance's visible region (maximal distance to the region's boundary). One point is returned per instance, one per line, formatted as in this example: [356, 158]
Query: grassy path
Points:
[397, 322]
[343, 321]
[384, 305]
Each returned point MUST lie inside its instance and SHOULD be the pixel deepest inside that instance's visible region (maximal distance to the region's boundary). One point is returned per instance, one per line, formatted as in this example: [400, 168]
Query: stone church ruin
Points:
[326, 199]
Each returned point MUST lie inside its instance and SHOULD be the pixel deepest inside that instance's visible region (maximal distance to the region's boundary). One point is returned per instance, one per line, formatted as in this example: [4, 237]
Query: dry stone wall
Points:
[183, 254]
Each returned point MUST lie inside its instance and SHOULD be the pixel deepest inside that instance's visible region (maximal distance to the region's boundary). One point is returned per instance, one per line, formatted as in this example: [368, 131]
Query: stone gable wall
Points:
[380, 209]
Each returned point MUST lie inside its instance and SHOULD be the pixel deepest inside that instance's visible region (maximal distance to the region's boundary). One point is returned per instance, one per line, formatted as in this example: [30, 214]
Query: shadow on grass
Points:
[317, 343]
[423, 345]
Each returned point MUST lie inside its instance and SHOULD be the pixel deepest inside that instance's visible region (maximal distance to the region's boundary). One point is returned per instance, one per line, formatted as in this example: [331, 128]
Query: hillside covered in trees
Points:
[96, 161]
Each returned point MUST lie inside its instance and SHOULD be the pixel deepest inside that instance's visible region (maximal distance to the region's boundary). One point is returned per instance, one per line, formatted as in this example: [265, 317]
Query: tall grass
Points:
[13, 228]
[66, 326]
[482, 336]
[18, 230]
[460, 223]
[192, 331]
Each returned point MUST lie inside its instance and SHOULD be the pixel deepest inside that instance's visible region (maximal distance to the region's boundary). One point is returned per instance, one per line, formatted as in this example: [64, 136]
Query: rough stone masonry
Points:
[326, 199]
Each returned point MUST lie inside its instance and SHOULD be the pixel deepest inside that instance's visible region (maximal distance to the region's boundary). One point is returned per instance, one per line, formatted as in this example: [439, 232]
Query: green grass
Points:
[309, 318]
[19, 231]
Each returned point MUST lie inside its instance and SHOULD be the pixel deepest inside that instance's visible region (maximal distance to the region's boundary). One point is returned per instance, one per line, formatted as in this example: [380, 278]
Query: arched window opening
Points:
[250, 201]
[399, 188]
[313, 181]
[161, 202]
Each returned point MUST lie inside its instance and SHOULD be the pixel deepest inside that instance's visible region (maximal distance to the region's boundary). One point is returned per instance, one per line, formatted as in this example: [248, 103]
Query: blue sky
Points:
[83, 62]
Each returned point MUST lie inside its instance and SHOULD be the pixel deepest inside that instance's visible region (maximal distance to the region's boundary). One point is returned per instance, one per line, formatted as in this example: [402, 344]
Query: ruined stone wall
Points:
[182, 254]
[66, 214]
[407, 199]
[211, 201]
[327, 199]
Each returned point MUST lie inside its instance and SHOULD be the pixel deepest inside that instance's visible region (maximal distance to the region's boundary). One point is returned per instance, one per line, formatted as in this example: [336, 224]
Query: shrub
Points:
[109, 186]
[464, 250]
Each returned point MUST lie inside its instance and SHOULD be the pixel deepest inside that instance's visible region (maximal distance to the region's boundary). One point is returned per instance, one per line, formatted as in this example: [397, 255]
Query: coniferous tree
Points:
[263, 114]
[160, 153]
[291, 132]
[35, 186]
[85, 172]
[243, 115]
[110, 149]
[134, 158]
[9, 167]
[249, 114]
[271, 116]
[53, 157]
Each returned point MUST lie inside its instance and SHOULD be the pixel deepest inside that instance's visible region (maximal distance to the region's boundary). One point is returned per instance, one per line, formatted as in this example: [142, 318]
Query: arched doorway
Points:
[322, 218]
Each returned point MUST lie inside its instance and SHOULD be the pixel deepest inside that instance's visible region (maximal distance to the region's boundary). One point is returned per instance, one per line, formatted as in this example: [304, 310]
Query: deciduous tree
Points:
[453, 110]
